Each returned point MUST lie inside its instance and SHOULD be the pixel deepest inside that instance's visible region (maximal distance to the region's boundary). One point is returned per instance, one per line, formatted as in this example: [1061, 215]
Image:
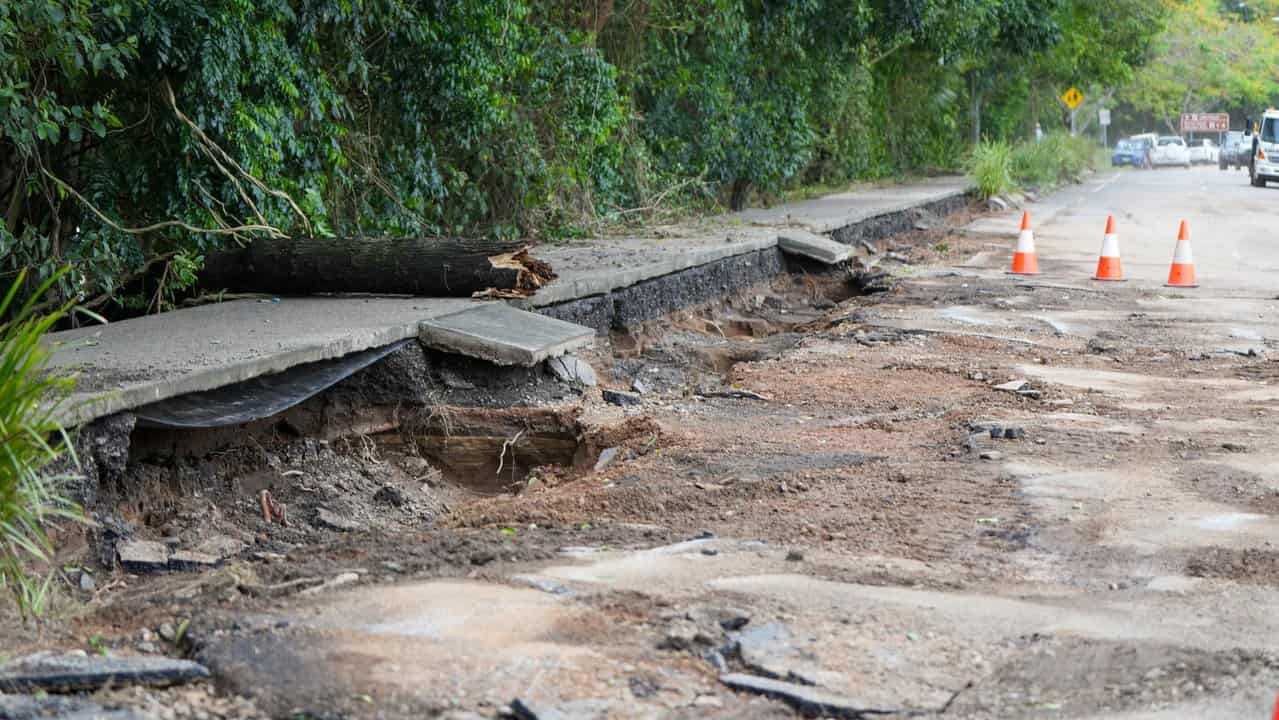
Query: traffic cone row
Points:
[1109, 268]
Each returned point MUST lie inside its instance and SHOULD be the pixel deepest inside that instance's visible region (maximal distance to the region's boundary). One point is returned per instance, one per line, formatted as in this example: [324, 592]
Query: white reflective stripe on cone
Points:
[1181, 256]
[1110, 246]
[1026, 241]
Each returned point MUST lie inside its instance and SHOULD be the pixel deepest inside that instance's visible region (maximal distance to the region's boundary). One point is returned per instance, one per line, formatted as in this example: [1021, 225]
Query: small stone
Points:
[708, 701]
[681, 634]
[996, 431]
[621, 398]
[710, 552]
[1012, 386]
[333, 521]
[87, 583]
[716, 618]
[795, 556]
[392, 566]
[607, 456]
[992, 455]
[1234, 447]
[146, 647]
[483, 557]
[1014, 433]
[167, 632]
[390, 494]
[641, 387]
[570, 369]
[996, 204]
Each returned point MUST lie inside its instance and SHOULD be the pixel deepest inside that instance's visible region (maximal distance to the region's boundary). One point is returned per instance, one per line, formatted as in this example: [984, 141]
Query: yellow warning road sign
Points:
[1073, 98]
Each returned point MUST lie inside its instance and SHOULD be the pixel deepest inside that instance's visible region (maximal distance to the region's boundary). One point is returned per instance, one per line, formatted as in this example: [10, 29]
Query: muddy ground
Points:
[808, 488]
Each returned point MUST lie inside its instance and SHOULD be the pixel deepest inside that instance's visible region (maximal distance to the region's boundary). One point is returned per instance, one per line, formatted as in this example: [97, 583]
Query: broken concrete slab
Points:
[192, 561]
[571, 369]
[1011, 386]
[142, 556]
[503, 335]
[29, 707]
[813, 246]
[72, 673]
[142, 360]
[806, 700]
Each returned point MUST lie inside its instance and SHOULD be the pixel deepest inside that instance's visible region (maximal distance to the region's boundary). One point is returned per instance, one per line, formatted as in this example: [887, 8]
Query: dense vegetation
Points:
[1216, 56]
[139, 134]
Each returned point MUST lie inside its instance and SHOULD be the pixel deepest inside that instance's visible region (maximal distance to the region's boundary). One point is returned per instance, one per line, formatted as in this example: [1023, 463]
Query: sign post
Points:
[1103, 119]
[1205, 122]
[1072, 99]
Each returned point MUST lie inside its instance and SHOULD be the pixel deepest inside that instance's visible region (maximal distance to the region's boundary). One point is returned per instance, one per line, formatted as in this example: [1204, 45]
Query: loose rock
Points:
[87, 583]
[27, 707]
[572, 370]
[621, 398]
[607, 456]
[390, 494]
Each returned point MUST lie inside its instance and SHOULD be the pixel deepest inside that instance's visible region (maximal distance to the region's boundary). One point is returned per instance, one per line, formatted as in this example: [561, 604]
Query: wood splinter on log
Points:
[452, 267]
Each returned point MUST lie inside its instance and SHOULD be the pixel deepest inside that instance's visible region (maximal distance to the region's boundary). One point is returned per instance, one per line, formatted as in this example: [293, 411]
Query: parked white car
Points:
[1170, 150]
[1205, 152]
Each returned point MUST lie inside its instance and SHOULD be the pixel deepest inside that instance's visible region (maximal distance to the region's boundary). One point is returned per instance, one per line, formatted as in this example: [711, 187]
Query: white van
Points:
[1264, 166]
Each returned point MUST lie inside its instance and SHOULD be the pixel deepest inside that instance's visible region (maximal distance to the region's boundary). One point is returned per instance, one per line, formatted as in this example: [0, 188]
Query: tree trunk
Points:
[976, 109]
[392, 266]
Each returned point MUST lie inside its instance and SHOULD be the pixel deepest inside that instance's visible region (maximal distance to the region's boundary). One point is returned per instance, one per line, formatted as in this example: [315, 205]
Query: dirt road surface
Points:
[849, 525]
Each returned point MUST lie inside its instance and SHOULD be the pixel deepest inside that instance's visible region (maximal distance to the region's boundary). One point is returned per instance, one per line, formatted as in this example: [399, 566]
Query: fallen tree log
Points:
[392, 266]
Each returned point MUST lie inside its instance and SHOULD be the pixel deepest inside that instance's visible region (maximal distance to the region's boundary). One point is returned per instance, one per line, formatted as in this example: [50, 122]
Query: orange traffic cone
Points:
[1182, 273]
[1108, 267]
[1025, 259]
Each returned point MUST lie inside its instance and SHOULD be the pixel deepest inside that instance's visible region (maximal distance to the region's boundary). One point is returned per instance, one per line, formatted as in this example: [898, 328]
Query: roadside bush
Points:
[1057, 159]
[30, 440]
[991, 166]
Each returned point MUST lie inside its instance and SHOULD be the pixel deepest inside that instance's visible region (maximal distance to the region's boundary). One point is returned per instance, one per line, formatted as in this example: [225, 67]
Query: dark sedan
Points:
[1236, 150]
[1129, 152]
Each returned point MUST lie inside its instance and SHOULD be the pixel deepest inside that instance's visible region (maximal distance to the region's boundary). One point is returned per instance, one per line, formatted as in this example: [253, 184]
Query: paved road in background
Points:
[1234, 227]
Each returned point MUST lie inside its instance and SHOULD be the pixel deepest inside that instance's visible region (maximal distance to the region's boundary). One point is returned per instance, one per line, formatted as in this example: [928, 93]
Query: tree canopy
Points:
[137, 135]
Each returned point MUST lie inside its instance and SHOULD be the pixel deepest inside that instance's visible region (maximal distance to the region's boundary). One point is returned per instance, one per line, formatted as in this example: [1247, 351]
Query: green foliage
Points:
[991, 167]
[134, 131]
[1058, 159]
[30, 439]
[1211, 59]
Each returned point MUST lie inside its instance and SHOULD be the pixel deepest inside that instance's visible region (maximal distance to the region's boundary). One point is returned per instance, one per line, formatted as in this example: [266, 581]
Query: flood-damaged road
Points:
[973, 496]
